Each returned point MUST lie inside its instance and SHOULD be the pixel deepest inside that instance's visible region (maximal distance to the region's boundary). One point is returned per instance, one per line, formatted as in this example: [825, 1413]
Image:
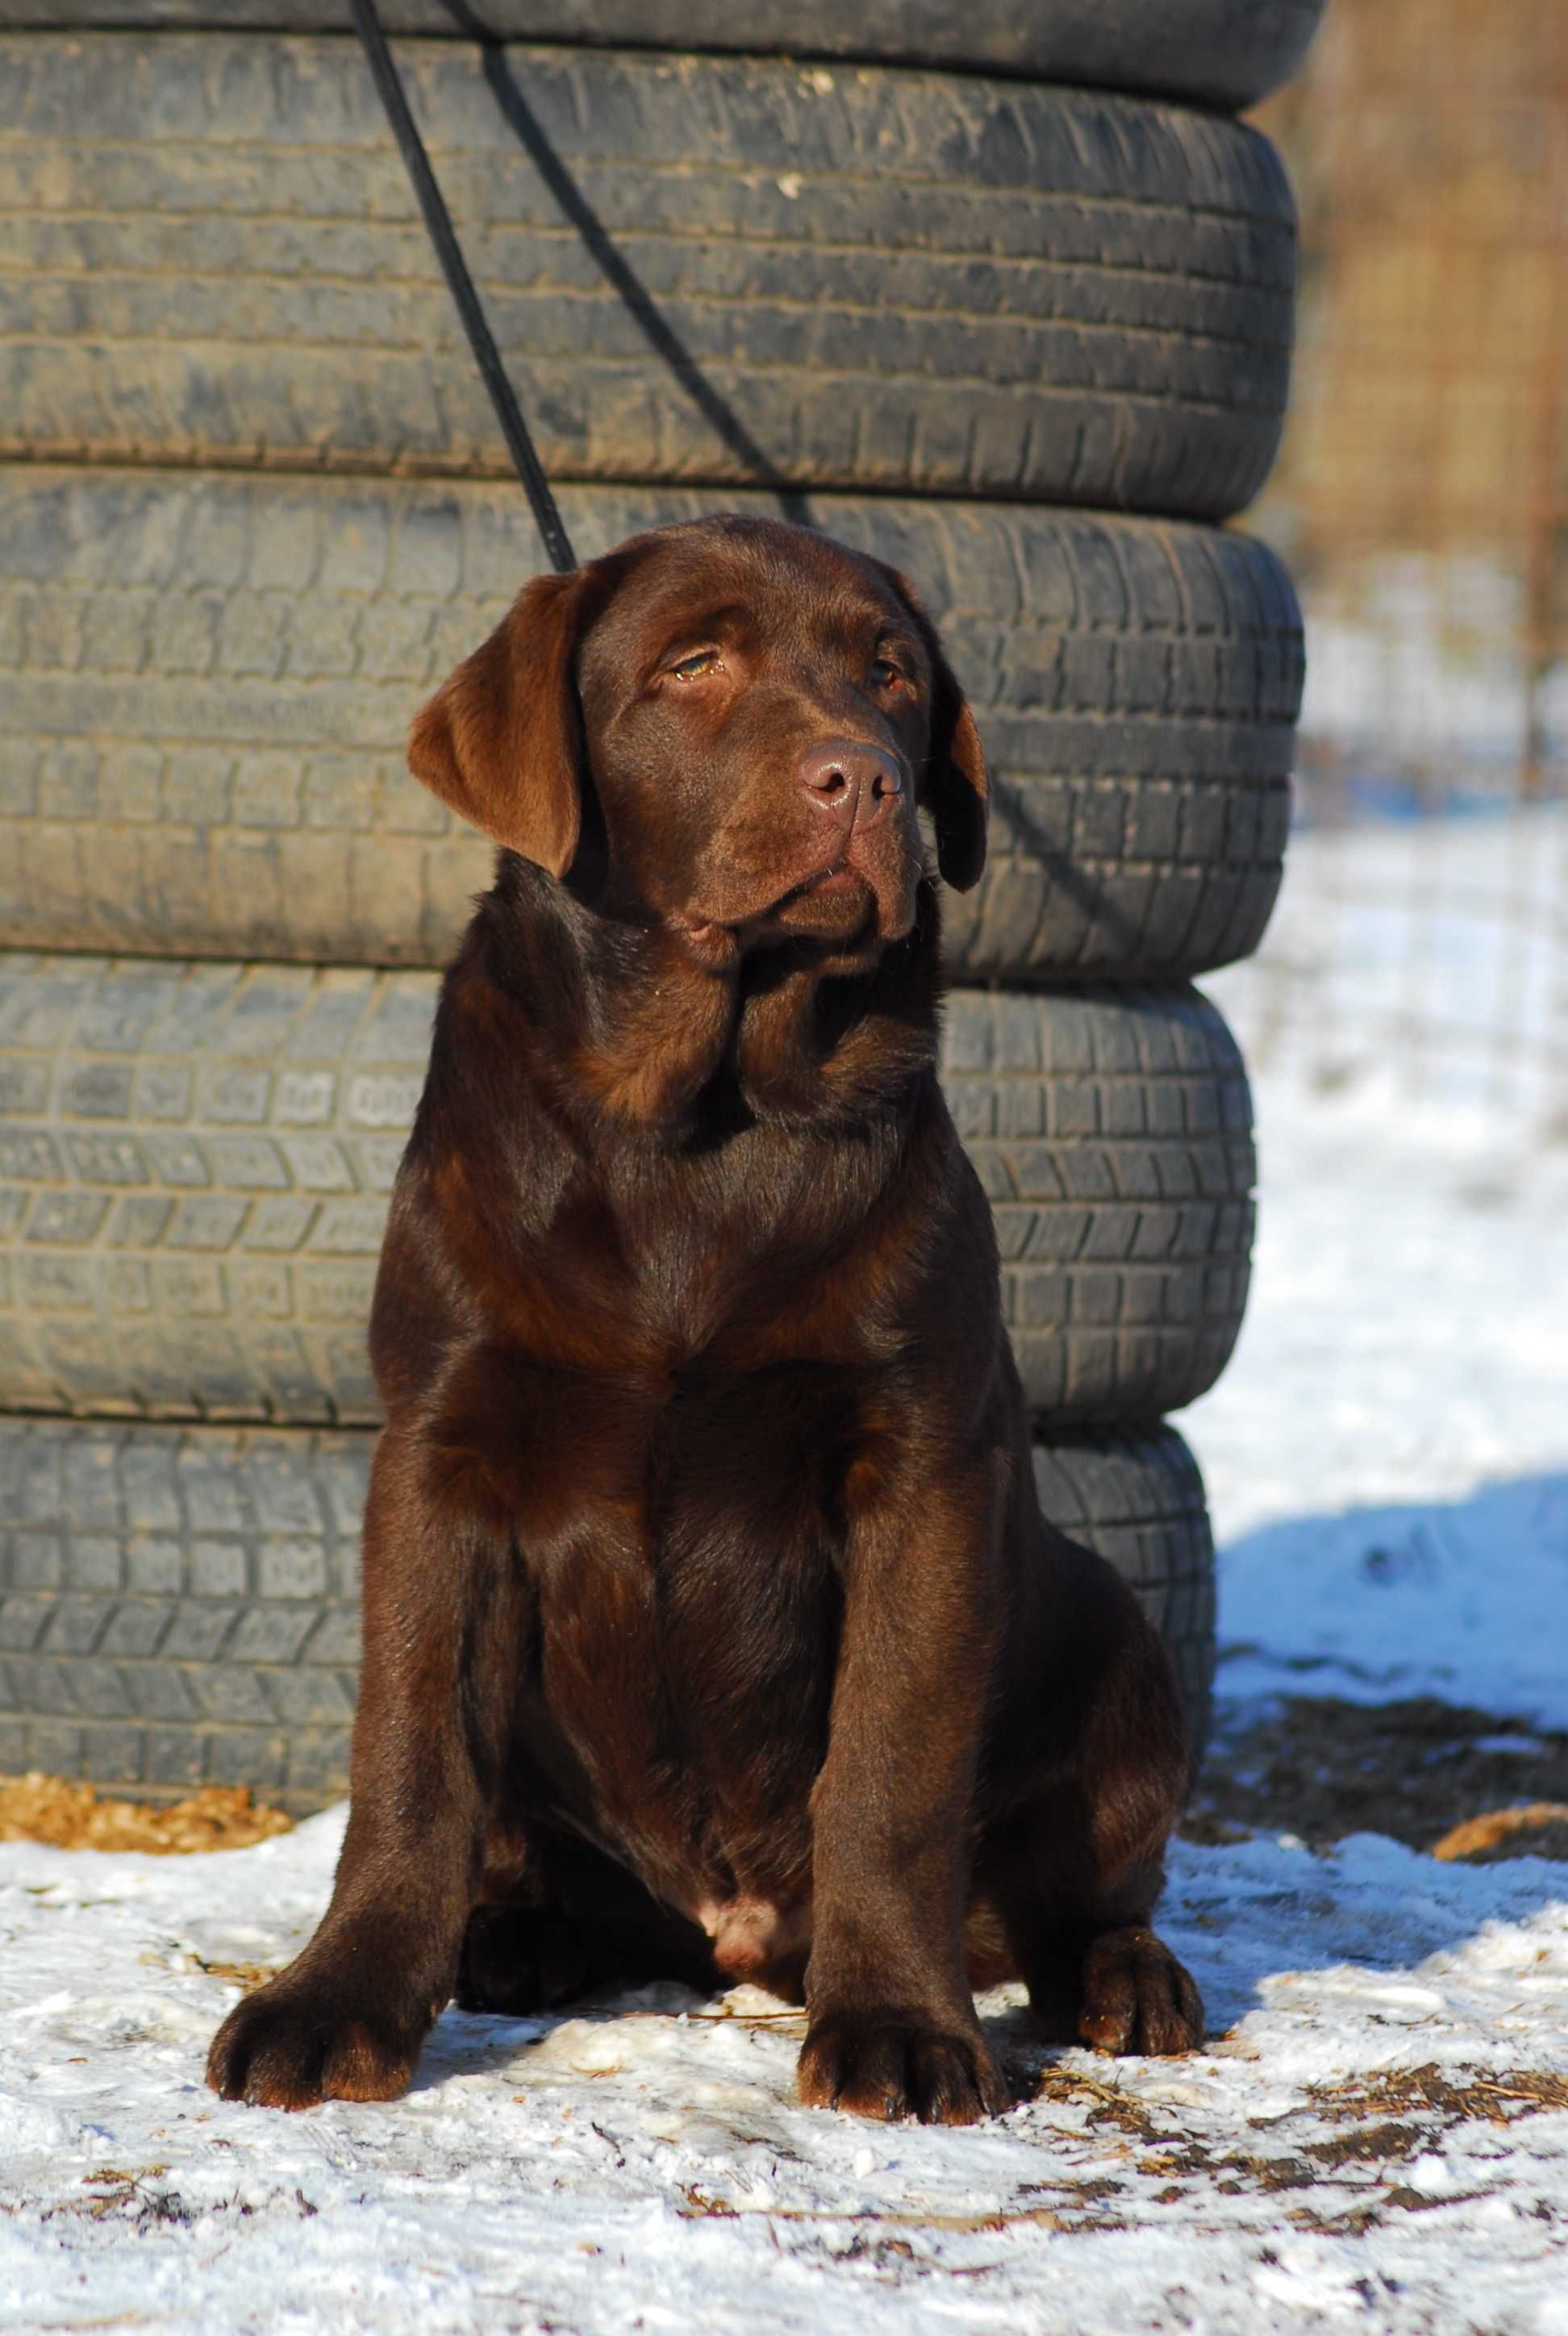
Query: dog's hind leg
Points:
[1071, 1874]
[1099, 1975]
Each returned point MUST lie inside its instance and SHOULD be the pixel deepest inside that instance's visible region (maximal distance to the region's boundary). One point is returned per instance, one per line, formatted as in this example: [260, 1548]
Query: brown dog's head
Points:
[752, 711]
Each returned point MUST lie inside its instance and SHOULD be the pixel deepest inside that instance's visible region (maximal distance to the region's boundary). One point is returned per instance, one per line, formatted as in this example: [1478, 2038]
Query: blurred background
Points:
[1421, 499]
[1386, 1455]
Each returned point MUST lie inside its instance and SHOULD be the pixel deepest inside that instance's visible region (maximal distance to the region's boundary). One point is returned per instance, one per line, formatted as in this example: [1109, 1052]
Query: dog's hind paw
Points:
[1136, 1997]
[297, 2042]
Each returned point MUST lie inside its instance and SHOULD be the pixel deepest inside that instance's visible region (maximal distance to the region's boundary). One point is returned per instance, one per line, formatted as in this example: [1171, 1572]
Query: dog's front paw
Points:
[895, 2064]
[301, 2040]
[1136, 1997]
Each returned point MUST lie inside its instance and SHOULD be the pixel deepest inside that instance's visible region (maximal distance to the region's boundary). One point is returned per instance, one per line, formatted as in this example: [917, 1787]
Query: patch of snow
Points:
[642, 2163]
[1468, 1602]
[1387, 1456]
[1423, 954]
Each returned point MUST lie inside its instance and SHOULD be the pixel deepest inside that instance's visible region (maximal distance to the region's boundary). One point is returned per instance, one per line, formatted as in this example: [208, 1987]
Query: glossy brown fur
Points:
[711, 1625]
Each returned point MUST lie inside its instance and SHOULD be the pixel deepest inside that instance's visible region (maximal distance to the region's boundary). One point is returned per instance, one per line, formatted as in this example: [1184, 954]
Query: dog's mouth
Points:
[839, 906]
[836, 905]
[838, 882]
[859, 896]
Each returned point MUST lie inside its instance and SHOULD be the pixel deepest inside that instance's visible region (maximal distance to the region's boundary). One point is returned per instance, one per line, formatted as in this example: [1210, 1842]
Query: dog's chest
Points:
[684, 1556]
[668, 1401]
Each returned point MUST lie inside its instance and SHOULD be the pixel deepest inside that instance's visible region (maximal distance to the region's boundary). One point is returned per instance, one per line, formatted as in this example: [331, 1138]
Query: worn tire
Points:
[1113, 1133]
[844, 276]
[197, 1159]
[207, 680]
[1227, 52]
[1138, 1499]
[180, 1606]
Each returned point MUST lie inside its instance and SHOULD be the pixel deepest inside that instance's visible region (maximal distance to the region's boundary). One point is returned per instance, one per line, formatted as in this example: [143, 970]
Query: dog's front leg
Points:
[442, 1624]
[892, 2028]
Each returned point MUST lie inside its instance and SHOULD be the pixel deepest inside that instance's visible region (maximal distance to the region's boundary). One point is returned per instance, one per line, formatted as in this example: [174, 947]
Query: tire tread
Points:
[207, 680]
[179, 1606]
[196, 1161]
[911, 282]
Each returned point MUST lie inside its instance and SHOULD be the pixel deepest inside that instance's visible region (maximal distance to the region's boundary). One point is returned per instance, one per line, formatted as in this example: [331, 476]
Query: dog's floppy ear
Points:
[501, 739]
[955, 788]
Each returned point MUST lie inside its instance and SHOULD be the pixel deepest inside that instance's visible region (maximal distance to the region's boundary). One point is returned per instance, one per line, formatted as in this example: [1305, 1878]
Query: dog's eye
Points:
[692, 667]
[885, 675]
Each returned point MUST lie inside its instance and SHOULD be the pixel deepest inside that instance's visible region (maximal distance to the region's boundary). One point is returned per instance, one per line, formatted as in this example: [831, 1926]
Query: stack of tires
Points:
[946, 297]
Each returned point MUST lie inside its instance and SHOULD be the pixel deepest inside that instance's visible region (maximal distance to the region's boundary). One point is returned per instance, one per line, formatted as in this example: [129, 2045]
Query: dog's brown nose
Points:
[851, 778]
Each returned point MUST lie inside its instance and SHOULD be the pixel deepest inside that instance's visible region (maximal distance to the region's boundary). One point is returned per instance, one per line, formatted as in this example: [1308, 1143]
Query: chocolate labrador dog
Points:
[712, 1629]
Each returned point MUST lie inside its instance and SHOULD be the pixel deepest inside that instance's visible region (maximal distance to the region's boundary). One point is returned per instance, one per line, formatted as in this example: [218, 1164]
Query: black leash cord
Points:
[460, 284]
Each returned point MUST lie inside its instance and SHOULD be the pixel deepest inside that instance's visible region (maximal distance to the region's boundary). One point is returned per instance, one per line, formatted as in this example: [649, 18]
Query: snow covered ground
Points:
[1366, 2143]
[1377, 2133]
[1437, 944]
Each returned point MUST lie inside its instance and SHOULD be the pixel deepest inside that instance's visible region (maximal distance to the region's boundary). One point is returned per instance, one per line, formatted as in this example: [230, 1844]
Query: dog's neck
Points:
[687, 1046]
